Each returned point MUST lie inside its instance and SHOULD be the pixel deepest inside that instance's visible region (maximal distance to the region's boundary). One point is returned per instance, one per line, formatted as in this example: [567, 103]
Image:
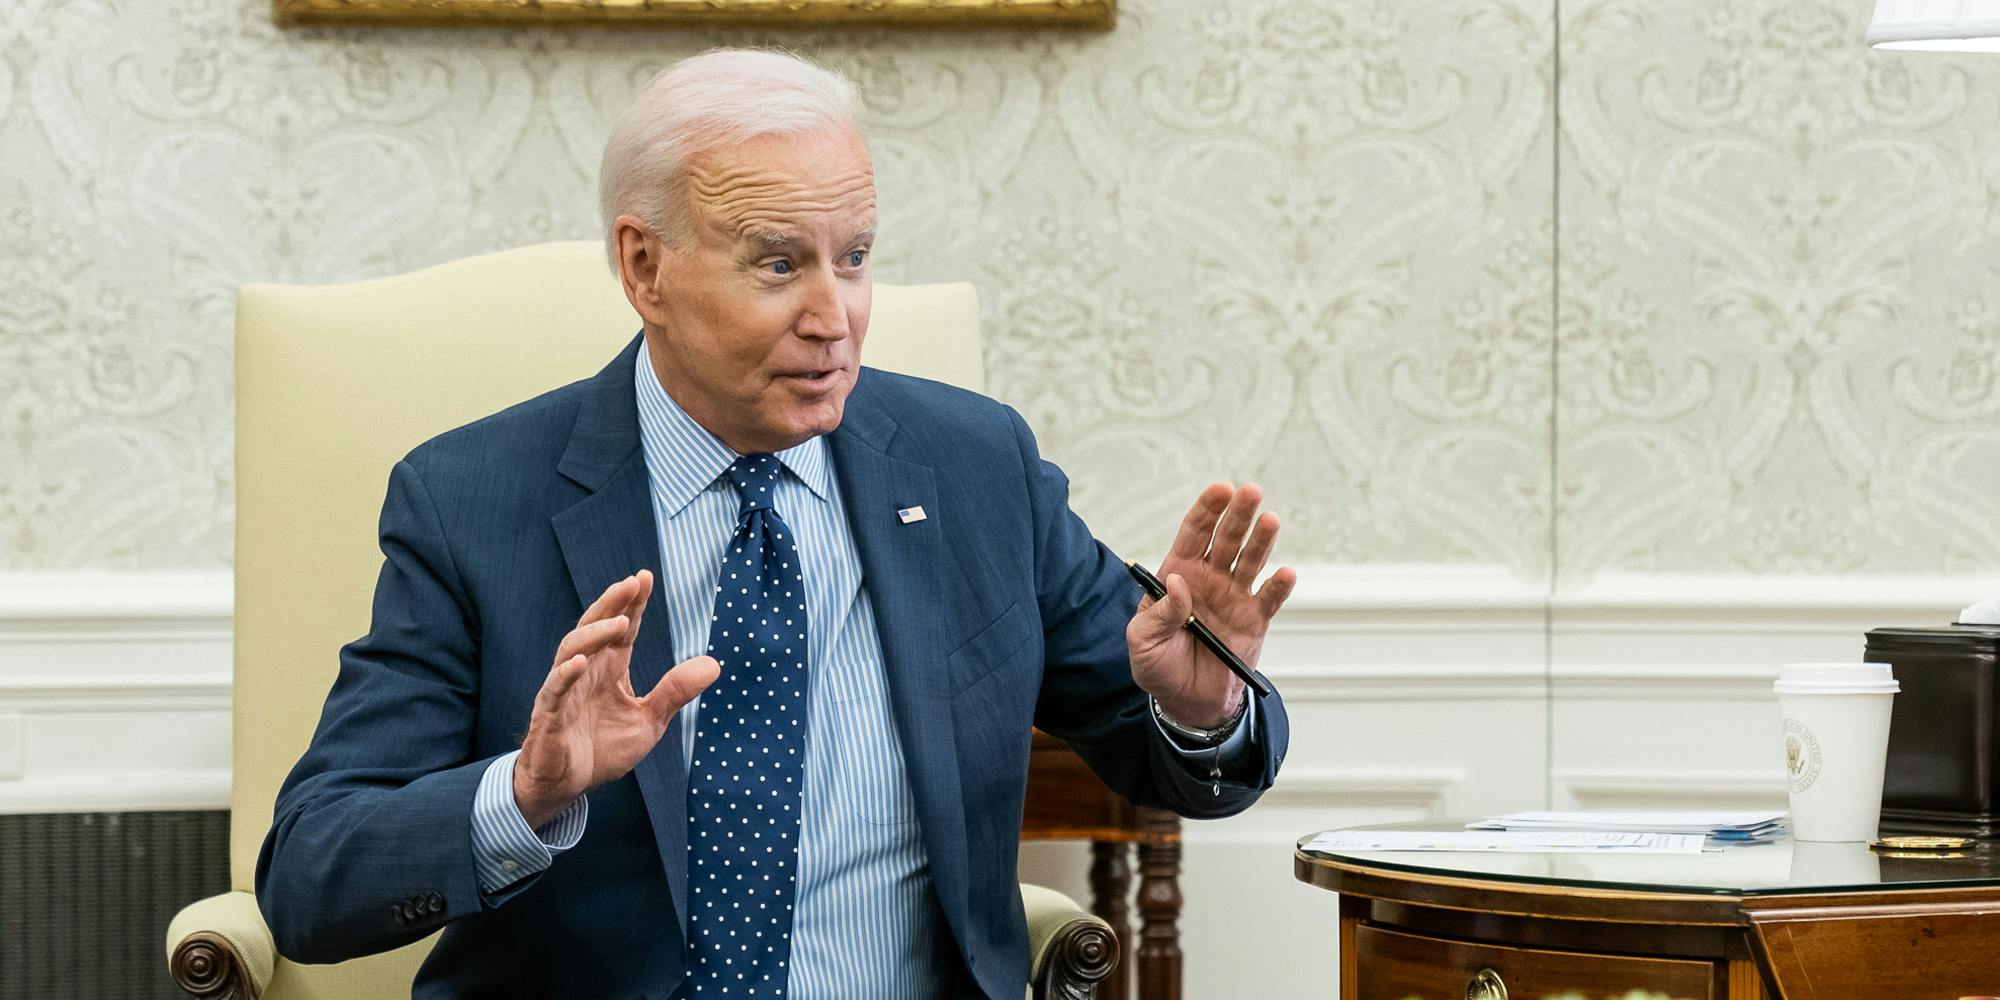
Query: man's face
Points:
[755, 321]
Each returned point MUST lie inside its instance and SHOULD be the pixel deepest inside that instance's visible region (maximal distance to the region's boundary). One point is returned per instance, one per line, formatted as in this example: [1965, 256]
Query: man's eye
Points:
[855, 258]
[781, 267]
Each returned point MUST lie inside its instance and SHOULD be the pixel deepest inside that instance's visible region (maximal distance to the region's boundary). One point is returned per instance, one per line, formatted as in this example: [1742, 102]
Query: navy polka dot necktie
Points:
[748, 771]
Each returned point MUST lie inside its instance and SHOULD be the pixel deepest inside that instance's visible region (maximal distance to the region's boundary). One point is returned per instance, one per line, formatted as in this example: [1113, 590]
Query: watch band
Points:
[1206, 737]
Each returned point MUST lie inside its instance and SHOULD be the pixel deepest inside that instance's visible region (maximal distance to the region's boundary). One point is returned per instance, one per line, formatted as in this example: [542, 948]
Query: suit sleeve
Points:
[1088, 697]
[370, 846]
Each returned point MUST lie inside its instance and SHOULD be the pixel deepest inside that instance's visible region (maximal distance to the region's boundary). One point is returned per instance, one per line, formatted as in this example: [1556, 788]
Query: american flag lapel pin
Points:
[910, 515]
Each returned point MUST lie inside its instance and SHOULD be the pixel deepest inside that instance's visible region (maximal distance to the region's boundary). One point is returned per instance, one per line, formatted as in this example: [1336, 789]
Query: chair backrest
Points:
[334, 383]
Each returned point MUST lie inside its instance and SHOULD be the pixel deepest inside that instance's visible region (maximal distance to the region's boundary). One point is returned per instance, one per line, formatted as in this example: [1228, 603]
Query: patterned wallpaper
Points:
[1780, 314]
[1311, 242]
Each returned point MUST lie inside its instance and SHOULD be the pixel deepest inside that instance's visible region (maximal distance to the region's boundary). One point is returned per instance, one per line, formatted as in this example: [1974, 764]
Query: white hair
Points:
[718, 98]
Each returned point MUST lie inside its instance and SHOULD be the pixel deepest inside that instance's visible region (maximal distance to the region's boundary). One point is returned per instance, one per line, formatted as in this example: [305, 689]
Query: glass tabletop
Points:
[1779, 867]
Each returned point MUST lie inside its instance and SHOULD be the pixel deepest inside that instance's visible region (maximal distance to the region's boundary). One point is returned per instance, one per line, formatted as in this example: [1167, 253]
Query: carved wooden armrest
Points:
[219, 949]
[1070, 951]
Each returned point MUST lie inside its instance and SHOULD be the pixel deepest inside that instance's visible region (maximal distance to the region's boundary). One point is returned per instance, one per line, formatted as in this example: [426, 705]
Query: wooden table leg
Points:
[1160, 907]
[1110, 887]
[1354, 912]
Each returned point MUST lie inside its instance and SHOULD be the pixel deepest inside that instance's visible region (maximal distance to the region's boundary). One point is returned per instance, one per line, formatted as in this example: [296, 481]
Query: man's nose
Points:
[823, 315]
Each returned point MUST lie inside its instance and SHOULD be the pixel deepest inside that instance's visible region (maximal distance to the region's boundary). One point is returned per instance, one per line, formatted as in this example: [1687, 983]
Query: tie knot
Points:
[756, 480]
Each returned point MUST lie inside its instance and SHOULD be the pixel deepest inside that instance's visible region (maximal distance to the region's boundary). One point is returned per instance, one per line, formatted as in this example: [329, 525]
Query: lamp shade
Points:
[1936, 25]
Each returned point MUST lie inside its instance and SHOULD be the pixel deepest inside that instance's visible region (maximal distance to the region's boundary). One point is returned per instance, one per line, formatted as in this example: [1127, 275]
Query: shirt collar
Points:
[683, 458]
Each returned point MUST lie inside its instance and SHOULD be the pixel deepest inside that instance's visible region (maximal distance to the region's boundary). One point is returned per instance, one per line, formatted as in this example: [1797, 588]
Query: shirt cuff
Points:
[1229, 755]
[505, 849]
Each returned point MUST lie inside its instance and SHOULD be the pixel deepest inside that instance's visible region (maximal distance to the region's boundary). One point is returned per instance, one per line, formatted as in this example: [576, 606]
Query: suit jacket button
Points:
[435, 902]
[397, 912]
[409, 912]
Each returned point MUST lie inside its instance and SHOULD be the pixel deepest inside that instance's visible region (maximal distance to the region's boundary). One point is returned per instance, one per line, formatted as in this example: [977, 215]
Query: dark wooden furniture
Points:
[1067, 802]
[1771, 922]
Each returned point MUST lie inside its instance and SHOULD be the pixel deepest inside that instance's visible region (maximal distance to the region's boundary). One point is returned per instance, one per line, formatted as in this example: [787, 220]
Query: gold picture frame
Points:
[1088, 14]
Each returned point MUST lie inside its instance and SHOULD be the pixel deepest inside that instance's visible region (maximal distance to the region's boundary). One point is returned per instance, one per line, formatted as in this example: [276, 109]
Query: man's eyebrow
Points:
[779, 239]
[771, 239]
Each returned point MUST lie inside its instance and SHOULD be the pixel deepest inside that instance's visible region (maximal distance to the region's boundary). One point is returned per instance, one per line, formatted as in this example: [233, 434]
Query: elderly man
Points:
[873, 587]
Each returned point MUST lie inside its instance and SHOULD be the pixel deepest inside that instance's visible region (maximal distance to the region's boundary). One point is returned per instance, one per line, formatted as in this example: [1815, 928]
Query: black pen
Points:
[1158, 592]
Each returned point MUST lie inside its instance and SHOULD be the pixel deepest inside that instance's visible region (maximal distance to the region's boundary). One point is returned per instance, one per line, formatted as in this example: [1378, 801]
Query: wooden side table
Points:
[1778, 921]
[1067, 802]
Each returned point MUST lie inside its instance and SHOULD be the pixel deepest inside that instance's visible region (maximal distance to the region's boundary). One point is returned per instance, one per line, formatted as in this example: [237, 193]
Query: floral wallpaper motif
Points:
[1307, 242]
[1311, 242]
[1778, 306]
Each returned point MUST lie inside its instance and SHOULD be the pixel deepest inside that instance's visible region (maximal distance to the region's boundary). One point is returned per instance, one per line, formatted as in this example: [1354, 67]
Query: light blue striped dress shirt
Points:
[867, 922]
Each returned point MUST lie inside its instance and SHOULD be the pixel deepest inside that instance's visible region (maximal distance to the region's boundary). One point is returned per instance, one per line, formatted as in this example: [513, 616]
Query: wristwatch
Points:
[1204, 737]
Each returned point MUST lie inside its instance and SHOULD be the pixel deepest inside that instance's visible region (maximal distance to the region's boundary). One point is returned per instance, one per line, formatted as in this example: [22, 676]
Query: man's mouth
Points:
[819, 377]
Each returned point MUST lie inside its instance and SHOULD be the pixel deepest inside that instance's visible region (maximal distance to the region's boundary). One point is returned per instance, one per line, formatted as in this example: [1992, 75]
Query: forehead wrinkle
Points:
[763, 205]
[783, 222]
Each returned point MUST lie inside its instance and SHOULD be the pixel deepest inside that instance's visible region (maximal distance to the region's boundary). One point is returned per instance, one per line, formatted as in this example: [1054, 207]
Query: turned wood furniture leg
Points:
[1110, 887]
[1159, 952]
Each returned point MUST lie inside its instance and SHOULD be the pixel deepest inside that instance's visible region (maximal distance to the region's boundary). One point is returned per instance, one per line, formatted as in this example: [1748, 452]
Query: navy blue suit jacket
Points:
[997, 612]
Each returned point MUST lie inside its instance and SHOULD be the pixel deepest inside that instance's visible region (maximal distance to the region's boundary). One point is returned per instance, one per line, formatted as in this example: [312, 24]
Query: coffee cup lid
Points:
[1836, 678]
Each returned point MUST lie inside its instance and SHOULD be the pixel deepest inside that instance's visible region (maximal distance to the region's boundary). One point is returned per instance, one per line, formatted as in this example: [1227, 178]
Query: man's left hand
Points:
[1210, 573]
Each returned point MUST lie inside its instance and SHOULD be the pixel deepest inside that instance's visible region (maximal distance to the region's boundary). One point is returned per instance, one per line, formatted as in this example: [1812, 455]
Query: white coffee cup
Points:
[1836, 738]
[1847, 864]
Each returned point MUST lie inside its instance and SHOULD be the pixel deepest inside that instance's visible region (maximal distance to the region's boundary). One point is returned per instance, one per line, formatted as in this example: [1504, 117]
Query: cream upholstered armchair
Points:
[334, 384]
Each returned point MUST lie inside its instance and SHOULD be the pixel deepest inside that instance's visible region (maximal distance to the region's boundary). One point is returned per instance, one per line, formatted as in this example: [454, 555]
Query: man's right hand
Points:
[588, 726]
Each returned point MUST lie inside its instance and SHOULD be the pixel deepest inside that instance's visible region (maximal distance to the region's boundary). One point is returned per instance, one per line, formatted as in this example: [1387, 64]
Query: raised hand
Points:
[588, 725]
[1210, 572]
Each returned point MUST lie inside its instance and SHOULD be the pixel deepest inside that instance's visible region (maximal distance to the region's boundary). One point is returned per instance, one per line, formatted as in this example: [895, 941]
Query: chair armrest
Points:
[219, 949]
[1069, 950]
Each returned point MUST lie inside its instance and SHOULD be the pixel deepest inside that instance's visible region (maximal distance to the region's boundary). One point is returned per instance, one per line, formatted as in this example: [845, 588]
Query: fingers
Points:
[687, 679]
[1199, 524]
[1158, 622]
[1235, 524]
[1250, 561]
[1271, 596]
[611, 602]
[562, 677]
[586, 640]
[635, 609]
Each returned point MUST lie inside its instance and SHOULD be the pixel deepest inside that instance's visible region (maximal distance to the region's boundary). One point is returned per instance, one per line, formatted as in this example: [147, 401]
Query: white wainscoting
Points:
[1414, 692]
[114, 691]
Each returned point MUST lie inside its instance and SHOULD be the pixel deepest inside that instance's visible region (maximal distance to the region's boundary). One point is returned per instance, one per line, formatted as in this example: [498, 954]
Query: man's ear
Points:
[640, 257]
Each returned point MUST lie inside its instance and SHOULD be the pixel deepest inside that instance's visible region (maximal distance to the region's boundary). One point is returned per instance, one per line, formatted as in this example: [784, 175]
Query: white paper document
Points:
[1508, 841]
[1636, 822]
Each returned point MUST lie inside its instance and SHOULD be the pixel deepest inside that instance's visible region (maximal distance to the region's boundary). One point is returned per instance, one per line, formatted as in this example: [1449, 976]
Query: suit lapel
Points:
[903, 572]
[605, 537]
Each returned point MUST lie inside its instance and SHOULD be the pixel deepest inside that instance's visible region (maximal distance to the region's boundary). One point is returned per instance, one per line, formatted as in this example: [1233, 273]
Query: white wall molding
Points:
[193, 789]
[1315, 796]
[175, 600]
[1412, 682]
[1616, 788]
[147, 653]
[114, 691]
[1431, 791]
[115, 695]
[1644, 683]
